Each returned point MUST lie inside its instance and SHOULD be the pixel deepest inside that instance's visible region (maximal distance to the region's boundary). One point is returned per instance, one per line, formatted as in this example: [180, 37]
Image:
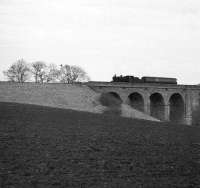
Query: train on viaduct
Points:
[159, 97]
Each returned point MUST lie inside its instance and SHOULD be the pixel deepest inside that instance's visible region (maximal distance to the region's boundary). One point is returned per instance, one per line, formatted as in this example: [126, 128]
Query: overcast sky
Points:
[137, 37]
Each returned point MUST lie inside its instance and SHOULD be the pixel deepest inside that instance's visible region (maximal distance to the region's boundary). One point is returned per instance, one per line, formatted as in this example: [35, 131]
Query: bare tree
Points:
[52, 74]
[39, 72]
[65, 74]
[78, 74]
[18, 71]
[71, 74]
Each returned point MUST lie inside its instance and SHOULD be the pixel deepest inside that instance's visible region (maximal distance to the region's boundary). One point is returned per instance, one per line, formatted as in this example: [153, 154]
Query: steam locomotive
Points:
[145, 79]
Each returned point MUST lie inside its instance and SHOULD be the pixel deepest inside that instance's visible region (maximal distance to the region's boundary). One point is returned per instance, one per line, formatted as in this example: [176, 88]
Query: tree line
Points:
[21, 71]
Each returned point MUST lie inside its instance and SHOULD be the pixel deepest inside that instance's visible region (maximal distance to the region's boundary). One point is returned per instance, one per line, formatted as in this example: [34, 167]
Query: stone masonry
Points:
[163, 101]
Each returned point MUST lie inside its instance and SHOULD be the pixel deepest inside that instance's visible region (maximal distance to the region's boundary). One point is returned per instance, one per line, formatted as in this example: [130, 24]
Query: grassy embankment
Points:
[48, 147]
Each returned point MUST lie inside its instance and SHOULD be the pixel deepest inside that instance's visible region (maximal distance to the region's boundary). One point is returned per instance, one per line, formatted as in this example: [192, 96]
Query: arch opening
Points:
[177, 109]
[157, 106]
[110, 99]
[136, 101]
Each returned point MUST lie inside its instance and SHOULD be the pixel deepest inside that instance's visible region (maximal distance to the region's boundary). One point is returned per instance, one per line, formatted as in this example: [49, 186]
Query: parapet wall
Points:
[142, 85]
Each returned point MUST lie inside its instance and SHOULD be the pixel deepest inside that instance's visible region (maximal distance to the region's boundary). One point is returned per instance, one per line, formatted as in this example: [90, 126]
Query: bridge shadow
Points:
[177, 109]
[157, 106]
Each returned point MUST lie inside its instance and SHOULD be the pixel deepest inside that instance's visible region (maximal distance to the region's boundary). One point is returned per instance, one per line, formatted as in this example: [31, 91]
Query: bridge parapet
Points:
[142, 85]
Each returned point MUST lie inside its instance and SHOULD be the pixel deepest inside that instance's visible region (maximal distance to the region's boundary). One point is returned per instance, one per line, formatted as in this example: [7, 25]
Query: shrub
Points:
[109, 100]
[112, 102]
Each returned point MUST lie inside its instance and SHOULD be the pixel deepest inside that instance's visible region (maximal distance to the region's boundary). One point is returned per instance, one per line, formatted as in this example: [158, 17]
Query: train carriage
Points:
[161, 80]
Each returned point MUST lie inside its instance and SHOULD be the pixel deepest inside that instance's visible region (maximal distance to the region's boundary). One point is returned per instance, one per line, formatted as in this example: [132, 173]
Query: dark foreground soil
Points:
[46, 147]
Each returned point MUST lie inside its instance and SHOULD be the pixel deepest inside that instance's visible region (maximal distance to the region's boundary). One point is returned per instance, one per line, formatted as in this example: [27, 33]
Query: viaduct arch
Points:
[110, 99]
[157, 106]
[177, 108]
[115, 95]
[163, 101]
[136, 100]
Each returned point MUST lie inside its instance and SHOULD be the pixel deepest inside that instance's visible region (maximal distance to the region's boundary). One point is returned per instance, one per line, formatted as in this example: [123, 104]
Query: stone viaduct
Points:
[167, 102]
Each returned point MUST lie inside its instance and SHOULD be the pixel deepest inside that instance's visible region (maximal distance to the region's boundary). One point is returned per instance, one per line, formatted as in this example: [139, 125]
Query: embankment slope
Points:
[68, 96]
